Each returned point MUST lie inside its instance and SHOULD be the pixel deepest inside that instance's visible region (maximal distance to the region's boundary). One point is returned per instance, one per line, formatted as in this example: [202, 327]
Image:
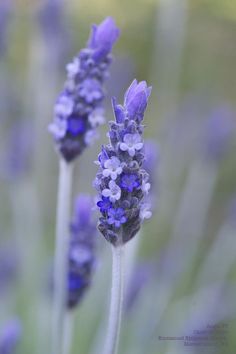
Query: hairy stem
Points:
[112, 337]
[61, 253]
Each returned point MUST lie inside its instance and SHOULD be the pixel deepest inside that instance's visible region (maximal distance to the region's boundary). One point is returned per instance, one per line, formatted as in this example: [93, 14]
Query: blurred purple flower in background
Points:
[220, 128]
[52, 22]
[10, 336]
[122, 72]
[79, 108]
[231, 211]
[81, 251]
[125, 186]
[8, 266]
[19, 150]
[142, 274]
[5, 12]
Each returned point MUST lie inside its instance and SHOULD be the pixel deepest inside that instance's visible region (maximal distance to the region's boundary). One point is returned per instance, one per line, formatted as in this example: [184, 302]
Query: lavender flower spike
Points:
[79, 108]
[121, 181]
[9, 337]
[81, 251]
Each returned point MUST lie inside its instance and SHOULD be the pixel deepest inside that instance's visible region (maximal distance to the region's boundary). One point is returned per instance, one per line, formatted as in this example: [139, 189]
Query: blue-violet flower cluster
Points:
[121, 181]
[81, 251]
[10, 336]
[79, 108]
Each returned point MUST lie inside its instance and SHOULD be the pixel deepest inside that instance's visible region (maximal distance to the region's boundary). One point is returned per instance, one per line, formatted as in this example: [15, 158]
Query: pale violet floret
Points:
[113, 192]
[73, 68]
[58, 128]
[97, 118]
[112, 168]
[80, 255]
[131, 143]
[145, 212]
[90, 137]
[64, 106]
[145, 187]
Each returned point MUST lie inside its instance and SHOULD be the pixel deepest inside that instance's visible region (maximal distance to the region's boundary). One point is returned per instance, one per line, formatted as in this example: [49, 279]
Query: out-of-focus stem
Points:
[112, 337]
[61, 252]
[68, 332]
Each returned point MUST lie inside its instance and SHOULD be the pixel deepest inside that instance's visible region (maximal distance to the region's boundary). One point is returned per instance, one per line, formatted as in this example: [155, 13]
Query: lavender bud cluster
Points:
[79, 108]
[121, 182]
[81, 251]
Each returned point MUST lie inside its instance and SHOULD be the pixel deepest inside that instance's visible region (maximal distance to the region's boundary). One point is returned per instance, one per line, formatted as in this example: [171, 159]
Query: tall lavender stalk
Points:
[78, 112]
[122, 185]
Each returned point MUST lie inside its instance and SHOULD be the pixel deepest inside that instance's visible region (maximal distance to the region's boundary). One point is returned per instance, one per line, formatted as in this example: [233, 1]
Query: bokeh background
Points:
[183, 277]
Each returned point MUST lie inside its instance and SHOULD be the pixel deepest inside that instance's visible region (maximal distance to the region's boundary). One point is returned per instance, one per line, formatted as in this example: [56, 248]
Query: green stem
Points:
[61, 253]
[112, 337]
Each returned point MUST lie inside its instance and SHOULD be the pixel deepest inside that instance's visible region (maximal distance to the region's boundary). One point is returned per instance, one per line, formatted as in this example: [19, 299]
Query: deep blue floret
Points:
[104, 204]
[116, 217]
[75, 281]
[129, 182]
[76, 125]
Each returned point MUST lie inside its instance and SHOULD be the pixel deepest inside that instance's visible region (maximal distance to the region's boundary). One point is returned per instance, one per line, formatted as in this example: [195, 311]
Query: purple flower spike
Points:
[81, 251]
[79, 108]
[9, 337]
[121, 181]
